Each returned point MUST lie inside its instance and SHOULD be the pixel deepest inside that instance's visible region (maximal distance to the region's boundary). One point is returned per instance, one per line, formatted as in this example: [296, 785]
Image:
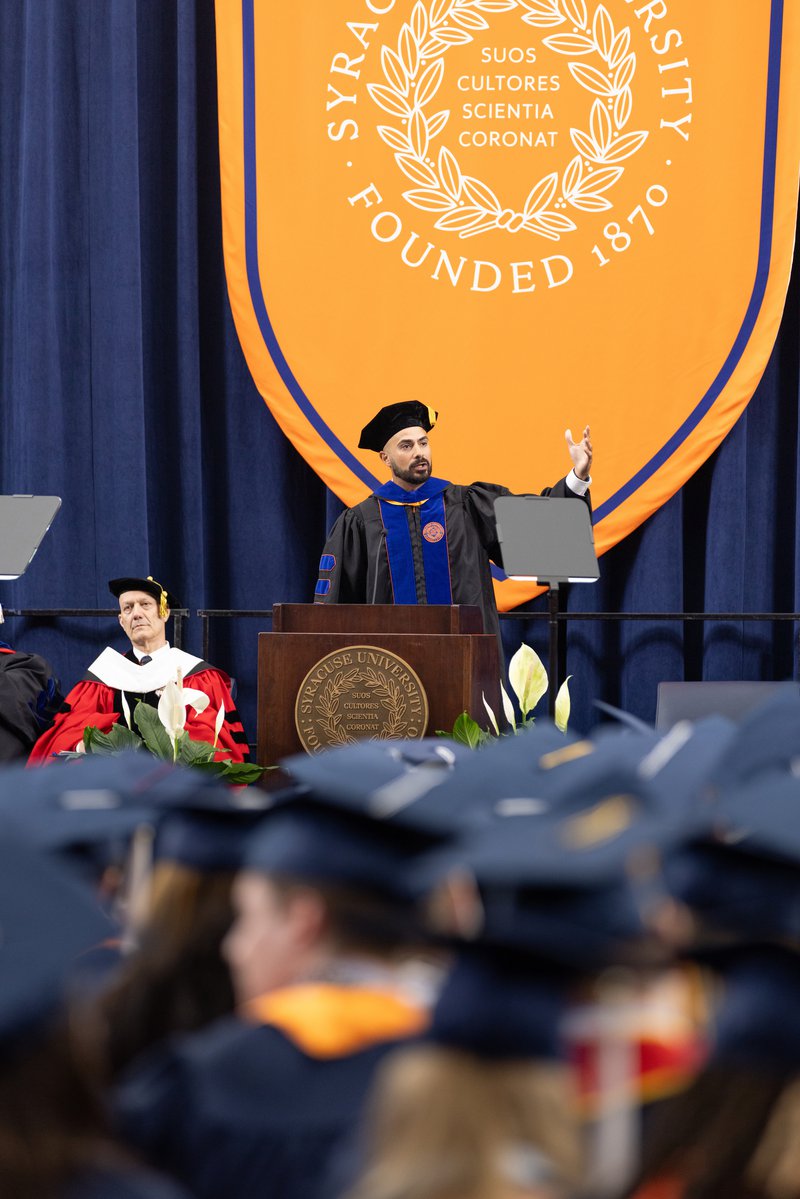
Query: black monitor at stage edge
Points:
[24, 520]
[547, 539]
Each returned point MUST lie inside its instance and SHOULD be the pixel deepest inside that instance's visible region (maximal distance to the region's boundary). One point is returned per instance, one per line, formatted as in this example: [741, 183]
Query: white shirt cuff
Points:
[579, 486]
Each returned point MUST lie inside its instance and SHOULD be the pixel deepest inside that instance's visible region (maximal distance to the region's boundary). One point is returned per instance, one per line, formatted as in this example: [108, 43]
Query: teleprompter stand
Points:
[24, 520]
[547, 540]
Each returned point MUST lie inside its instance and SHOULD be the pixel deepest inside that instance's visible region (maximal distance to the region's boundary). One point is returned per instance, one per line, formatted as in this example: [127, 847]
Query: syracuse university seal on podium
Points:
[359, 693]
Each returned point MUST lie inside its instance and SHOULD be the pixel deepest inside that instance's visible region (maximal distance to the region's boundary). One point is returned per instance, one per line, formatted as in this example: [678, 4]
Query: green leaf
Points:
[243, 773]
[154, 734]
[190, 752]
[235, 773]
[468, 732]
[114, 741]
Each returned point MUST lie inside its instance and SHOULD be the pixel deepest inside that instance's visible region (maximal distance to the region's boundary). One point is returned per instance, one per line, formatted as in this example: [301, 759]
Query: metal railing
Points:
[556, 620]
[179, 615]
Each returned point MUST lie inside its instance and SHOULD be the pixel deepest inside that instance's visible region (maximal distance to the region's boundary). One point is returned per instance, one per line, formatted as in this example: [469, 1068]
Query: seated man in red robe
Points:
[142, 674]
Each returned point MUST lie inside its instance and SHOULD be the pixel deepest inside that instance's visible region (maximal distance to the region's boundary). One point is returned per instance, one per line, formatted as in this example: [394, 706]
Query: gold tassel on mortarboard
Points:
[162, 599]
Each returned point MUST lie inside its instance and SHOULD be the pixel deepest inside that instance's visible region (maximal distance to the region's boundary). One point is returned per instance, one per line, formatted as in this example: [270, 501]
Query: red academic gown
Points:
[91, 702]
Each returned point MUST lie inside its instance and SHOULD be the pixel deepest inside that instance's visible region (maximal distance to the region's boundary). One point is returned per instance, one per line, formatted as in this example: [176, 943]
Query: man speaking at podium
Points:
[418, 539]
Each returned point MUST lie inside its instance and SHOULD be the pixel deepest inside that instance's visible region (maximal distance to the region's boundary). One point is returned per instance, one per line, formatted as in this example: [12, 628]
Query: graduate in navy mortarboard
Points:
[174, 978]
[535, 902]
[419, 539]
[324, 956]
[734, 1133]
[141, 674]
[55, 1142]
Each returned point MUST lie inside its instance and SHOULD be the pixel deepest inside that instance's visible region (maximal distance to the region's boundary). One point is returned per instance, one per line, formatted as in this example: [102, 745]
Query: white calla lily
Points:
[172, 706]
[218, 724]
[528, 678]
[195, 699]
[508, 708]
[172, 710]
[492, 716]
[126, 710]
[563, 705]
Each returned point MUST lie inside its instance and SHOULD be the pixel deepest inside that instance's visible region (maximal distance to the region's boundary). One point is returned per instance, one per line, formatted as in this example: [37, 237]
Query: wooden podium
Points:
[333, 673]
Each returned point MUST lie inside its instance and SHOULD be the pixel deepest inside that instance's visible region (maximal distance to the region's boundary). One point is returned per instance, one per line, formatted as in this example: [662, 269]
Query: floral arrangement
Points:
[528, 680]
[162, 731]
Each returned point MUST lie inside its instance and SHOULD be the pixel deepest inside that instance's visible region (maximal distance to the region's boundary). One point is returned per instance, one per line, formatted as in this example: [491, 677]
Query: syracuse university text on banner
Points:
[528, 214]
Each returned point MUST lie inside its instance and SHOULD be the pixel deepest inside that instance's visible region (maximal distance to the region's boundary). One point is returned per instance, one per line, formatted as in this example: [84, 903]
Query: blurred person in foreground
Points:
[735, 1132]
[538, 902]
[175, 978]
[55, 1142]
[324, 958]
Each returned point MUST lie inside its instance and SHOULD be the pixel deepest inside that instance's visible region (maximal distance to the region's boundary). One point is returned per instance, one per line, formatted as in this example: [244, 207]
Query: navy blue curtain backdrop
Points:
[124, 390]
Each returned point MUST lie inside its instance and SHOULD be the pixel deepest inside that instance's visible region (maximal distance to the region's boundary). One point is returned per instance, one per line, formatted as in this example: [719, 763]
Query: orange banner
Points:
[528, 214]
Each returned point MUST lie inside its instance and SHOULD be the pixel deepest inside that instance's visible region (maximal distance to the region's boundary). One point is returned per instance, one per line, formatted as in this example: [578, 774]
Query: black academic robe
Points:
[29, 699]
[361, 571]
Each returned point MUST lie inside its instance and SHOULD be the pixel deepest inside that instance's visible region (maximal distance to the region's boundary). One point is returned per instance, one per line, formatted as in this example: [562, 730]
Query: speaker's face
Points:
[408, 455]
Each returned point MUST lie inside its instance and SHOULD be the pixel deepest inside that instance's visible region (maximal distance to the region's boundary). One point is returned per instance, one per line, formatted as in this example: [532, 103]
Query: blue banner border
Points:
[701, 409]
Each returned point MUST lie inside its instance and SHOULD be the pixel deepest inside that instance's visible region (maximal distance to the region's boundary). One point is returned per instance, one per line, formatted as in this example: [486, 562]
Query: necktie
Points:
[143, 661]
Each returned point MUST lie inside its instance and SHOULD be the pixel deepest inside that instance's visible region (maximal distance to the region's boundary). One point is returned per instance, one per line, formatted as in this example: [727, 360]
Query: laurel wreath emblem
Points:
[466, 205]
[383, 687]
[328, 704]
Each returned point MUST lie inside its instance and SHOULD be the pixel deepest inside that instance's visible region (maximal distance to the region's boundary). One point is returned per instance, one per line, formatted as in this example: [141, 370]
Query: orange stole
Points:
[662, 1188]
[327, 1020]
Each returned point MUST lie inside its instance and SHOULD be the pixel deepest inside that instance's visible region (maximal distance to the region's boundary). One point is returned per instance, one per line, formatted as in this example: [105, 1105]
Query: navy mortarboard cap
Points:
[577, 828]
[204, 824]
[82, 802]
[762, 816]
[506, 769]
[767, 738]
[186, 789]
[391, 419]
[99, 798]
[568, 880]
[680, 764]
[674, 767]
[316, 843]
[740, 877]
[500, 1007]
[47, 920]
[150, 586]
[732, 894]
[393, 781]
[757, 1021]
[205, 841]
